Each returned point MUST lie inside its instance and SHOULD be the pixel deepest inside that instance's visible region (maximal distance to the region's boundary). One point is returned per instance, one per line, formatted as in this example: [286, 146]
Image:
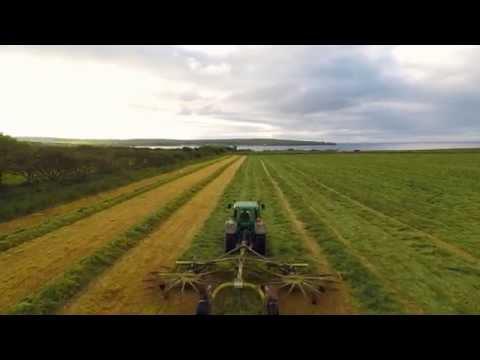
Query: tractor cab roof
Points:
[245, 205]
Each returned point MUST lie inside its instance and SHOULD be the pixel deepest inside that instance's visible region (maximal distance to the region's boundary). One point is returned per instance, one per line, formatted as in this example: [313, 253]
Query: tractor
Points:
[243, 267]
[246, 225]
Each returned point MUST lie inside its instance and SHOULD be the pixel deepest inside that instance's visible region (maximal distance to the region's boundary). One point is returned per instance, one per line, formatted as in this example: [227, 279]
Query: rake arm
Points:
[239, 265]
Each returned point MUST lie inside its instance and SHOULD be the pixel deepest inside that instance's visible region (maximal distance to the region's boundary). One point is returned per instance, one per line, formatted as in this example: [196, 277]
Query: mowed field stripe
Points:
[437, 241]
[70, 213]
[336, 302]
[38, 217]
[425, 275]
[121, 289]
[28, 266]
[369, 290]
[409, 304]
[60, 290]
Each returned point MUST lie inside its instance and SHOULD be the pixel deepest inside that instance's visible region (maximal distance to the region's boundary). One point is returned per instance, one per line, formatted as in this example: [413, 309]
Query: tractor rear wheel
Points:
[260, 245]
[230, 242]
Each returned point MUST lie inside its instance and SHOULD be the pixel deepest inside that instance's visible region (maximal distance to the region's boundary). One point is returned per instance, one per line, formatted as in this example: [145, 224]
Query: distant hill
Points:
[171, 142]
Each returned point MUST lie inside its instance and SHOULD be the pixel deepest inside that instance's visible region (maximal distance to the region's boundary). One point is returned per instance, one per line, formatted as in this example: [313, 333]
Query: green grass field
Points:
[403, 224]
[402, 228]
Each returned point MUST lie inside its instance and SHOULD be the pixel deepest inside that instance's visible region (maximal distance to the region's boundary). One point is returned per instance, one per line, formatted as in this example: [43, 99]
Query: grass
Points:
[441, 189]
[250, 183]
[20, 236]
[238, 302]
[397, 227]
[12, 179]
[56, 293]
[369, 293]
[24, 199]
[371, 216]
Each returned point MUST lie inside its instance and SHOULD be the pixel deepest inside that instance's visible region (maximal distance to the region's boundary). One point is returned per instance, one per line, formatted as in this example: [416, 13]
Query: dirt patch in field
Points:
[29, 266]
[122, 290]
[39, 217]
[333, 301]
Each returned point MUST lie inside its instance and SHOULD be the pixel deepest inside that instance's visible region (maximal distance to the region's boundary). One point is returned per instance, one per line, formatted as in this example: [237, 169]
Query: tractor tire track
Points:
[47, 215]
[337, 302]
[122, 290]
[439, 242]
[29, 266]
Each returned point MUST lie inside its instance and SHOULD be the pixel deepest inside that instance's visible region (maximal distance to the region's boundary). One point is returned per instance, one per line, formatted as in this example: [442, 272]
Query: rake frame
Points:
[241, 262]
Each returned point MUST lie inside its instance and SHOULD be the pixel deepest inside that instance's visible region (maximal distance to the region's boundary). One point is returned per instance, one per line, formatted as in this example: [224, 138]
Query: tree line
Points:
[39, 163]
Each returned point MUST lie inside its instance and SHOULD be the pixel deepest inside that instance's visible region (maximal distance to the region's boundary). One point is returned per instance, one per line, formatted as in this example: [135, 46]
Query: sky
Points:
[330, 93]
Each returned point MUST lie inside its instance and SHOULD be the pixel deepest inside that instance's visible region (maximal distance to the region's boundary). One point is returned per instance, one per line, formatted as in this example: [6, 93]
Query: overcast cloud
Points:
[332, 93]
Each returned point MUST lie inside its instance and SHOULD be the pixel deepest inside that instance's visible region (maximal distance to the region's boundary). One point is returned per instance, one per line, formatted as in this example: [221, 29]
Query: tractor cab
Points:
[246, 213]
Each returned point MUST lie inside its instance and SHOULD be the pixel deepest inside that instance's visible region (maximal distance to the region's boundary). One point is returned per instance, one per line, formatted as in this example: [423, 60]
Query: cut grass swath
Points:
[56, 293]
[26, 199]
[20, 236]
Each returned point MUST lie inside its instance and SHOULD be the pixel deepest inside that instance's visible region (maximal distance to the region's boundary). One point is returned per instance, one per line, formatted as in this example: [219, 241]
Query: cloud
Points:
[338, 93]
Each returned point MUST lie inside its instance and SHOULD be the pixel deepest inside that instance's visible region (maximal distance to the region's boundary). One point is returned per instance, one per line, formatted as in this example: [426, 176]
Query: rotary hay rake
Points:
[241, 268]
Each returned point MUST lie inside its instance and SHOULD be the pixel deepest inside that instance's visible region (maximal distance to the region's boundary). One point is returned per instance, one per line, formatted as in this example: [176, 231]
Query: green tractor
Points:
[246, 226]
[243, 268]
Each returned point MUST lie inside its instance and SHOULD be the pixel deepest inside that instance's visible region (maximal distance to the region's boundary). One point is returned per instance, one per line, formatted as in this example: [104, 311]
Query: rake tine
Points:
[291, 288]
[194, 287]
[176, 274]
[209, 273]
[274, 273]
[318, 277]
[174, 283]
[281, 287]
[314, 278]
[313, 289]
[164, 293]
[303, 291]
[314, 293]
